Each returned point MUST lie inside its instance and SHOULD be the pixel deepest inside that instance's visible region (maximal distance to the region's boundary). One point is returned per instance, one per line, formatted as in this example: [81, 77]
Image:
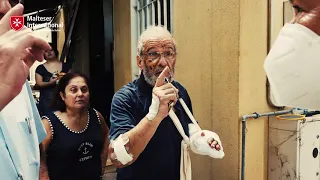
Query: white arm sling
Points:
[196, 142]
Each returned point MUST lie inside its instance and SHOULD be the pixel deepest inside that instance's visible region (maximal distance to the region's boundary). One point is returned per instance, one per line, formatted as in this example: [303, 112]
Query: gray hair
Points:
[153, 32]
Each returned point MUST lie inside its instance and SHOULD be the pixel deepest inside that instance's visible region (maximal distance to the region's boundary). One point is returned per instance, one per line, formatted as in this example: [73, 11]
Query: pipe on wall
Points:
[243, 137]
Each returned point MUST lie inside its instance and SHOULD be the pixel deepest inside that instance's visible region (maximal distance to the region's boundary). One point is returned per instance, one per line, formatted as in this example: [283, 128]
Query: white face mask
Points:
[293, 67]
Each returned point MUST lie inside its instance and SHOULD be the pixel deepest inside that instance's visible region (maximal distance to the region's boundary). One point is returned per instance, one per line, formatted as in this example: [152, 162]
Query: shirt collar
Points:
[143, 87]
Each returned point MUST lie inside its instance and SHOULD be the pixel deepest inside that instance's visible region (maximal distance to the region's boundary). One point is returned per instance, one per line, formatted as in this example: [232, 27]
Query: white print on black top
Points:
[85, 149]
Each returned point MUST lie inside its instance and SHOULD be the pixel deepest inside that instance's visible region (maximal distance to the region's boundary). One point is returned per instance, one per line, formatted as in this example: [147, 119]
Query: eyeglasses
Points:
[154, 56]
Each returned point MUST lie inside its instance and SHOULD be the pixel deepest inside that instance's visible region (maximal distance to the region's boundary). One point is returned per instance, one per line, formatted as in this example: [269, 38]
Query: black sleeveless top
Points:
[45, 93]
[75, 155]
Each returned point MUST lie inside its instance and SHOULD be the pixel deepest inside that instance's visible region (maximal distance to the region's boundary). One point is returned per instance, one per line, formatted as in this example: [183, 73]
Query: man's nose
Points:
[4, 7]
[163, 61]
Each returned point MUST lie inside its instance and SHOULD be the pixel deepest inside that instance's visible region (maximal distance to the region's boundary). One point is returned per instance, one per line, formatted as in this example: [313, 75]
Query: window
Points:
[145, 13]
[153, 12]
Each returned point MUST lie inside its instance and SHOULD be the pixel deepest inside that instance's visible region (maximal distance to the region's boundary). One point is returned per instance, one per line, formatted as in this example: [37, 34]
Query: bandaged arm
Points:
[199, 142]
[139, 136]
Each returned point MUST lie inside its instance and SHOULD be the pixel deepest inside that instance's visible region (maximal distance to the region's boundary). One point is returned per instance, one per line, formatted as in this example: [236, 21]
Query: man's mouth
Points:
[158, 73]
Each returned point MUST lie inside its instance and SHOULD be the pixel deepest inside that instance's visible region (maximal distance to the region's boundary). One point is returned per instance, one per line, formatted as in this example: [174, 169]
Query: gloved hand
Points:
[205, 142]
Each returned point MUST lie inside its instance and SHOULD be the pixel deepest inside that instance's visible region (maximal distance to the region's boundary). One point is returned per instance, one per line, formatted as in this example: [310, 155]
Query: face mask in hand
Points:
[293, 67]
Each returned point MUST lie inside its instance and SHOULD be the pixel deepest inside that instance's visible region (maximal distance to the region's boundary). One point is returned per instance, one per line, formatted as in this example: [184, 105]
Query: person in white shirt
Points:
[21, 129]
[292, 65]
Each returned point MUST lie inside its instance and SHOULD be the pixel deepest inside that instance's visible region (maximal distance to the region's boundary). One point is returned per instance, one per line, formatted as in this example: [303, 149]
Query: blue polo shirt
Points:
[161, 158]
[21, 131]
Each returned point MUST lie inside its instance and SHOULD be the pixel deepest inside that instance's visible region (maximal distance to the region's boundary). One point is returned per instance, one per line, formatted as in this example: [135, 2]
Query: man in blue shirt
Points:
[21, 129]
[146, 145]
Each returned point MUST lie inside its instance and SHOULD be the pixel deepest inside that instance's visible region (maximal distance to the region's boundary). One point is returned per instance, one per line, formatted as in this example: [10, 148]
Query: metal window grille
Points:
[154, 12]
[145, 13]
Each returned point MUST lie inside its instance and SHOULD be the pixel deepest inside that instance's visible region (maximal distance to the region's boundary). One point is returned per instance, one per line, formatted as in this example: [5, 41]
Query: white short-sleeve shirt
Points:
[21, 131]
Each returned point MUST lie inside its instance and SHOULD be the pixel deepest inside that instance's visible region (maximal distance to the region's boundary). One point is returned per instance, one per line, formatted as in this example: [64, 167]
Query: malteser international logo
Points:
[34, 23]
[16, 22]
[38, 22]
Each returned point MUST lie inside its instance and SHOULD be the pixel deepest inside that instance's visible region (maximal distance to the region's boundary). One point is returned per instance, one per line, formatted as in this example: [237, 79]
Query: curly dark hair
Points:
[57, 103]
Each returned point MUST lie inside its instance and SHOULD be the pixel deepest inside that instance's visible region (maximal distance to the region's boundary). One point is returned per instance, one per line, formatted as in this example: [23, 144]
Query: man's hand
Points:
[206, 142]
[18, 51]
[213, 144]
[166, 93]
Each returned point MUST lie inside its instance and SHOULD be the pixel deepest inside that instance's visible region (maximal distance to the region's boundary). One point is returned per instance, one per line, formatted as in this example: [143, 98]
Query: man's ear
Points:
[139, 62]
[62, 96]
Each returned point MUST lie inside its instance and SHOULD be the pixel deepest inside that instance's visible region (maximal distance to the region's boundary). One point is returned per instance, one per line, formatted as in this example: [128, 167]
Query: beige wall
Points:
[207, 35]
[253, 50]
[222, 46]
[122, 43]
[224, 43]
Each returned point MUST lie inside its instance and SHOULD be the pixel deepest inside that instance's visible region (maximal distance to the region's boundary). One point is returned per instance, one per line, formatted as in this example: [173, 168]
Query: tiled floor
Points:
[110, 172]
[110, 176]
